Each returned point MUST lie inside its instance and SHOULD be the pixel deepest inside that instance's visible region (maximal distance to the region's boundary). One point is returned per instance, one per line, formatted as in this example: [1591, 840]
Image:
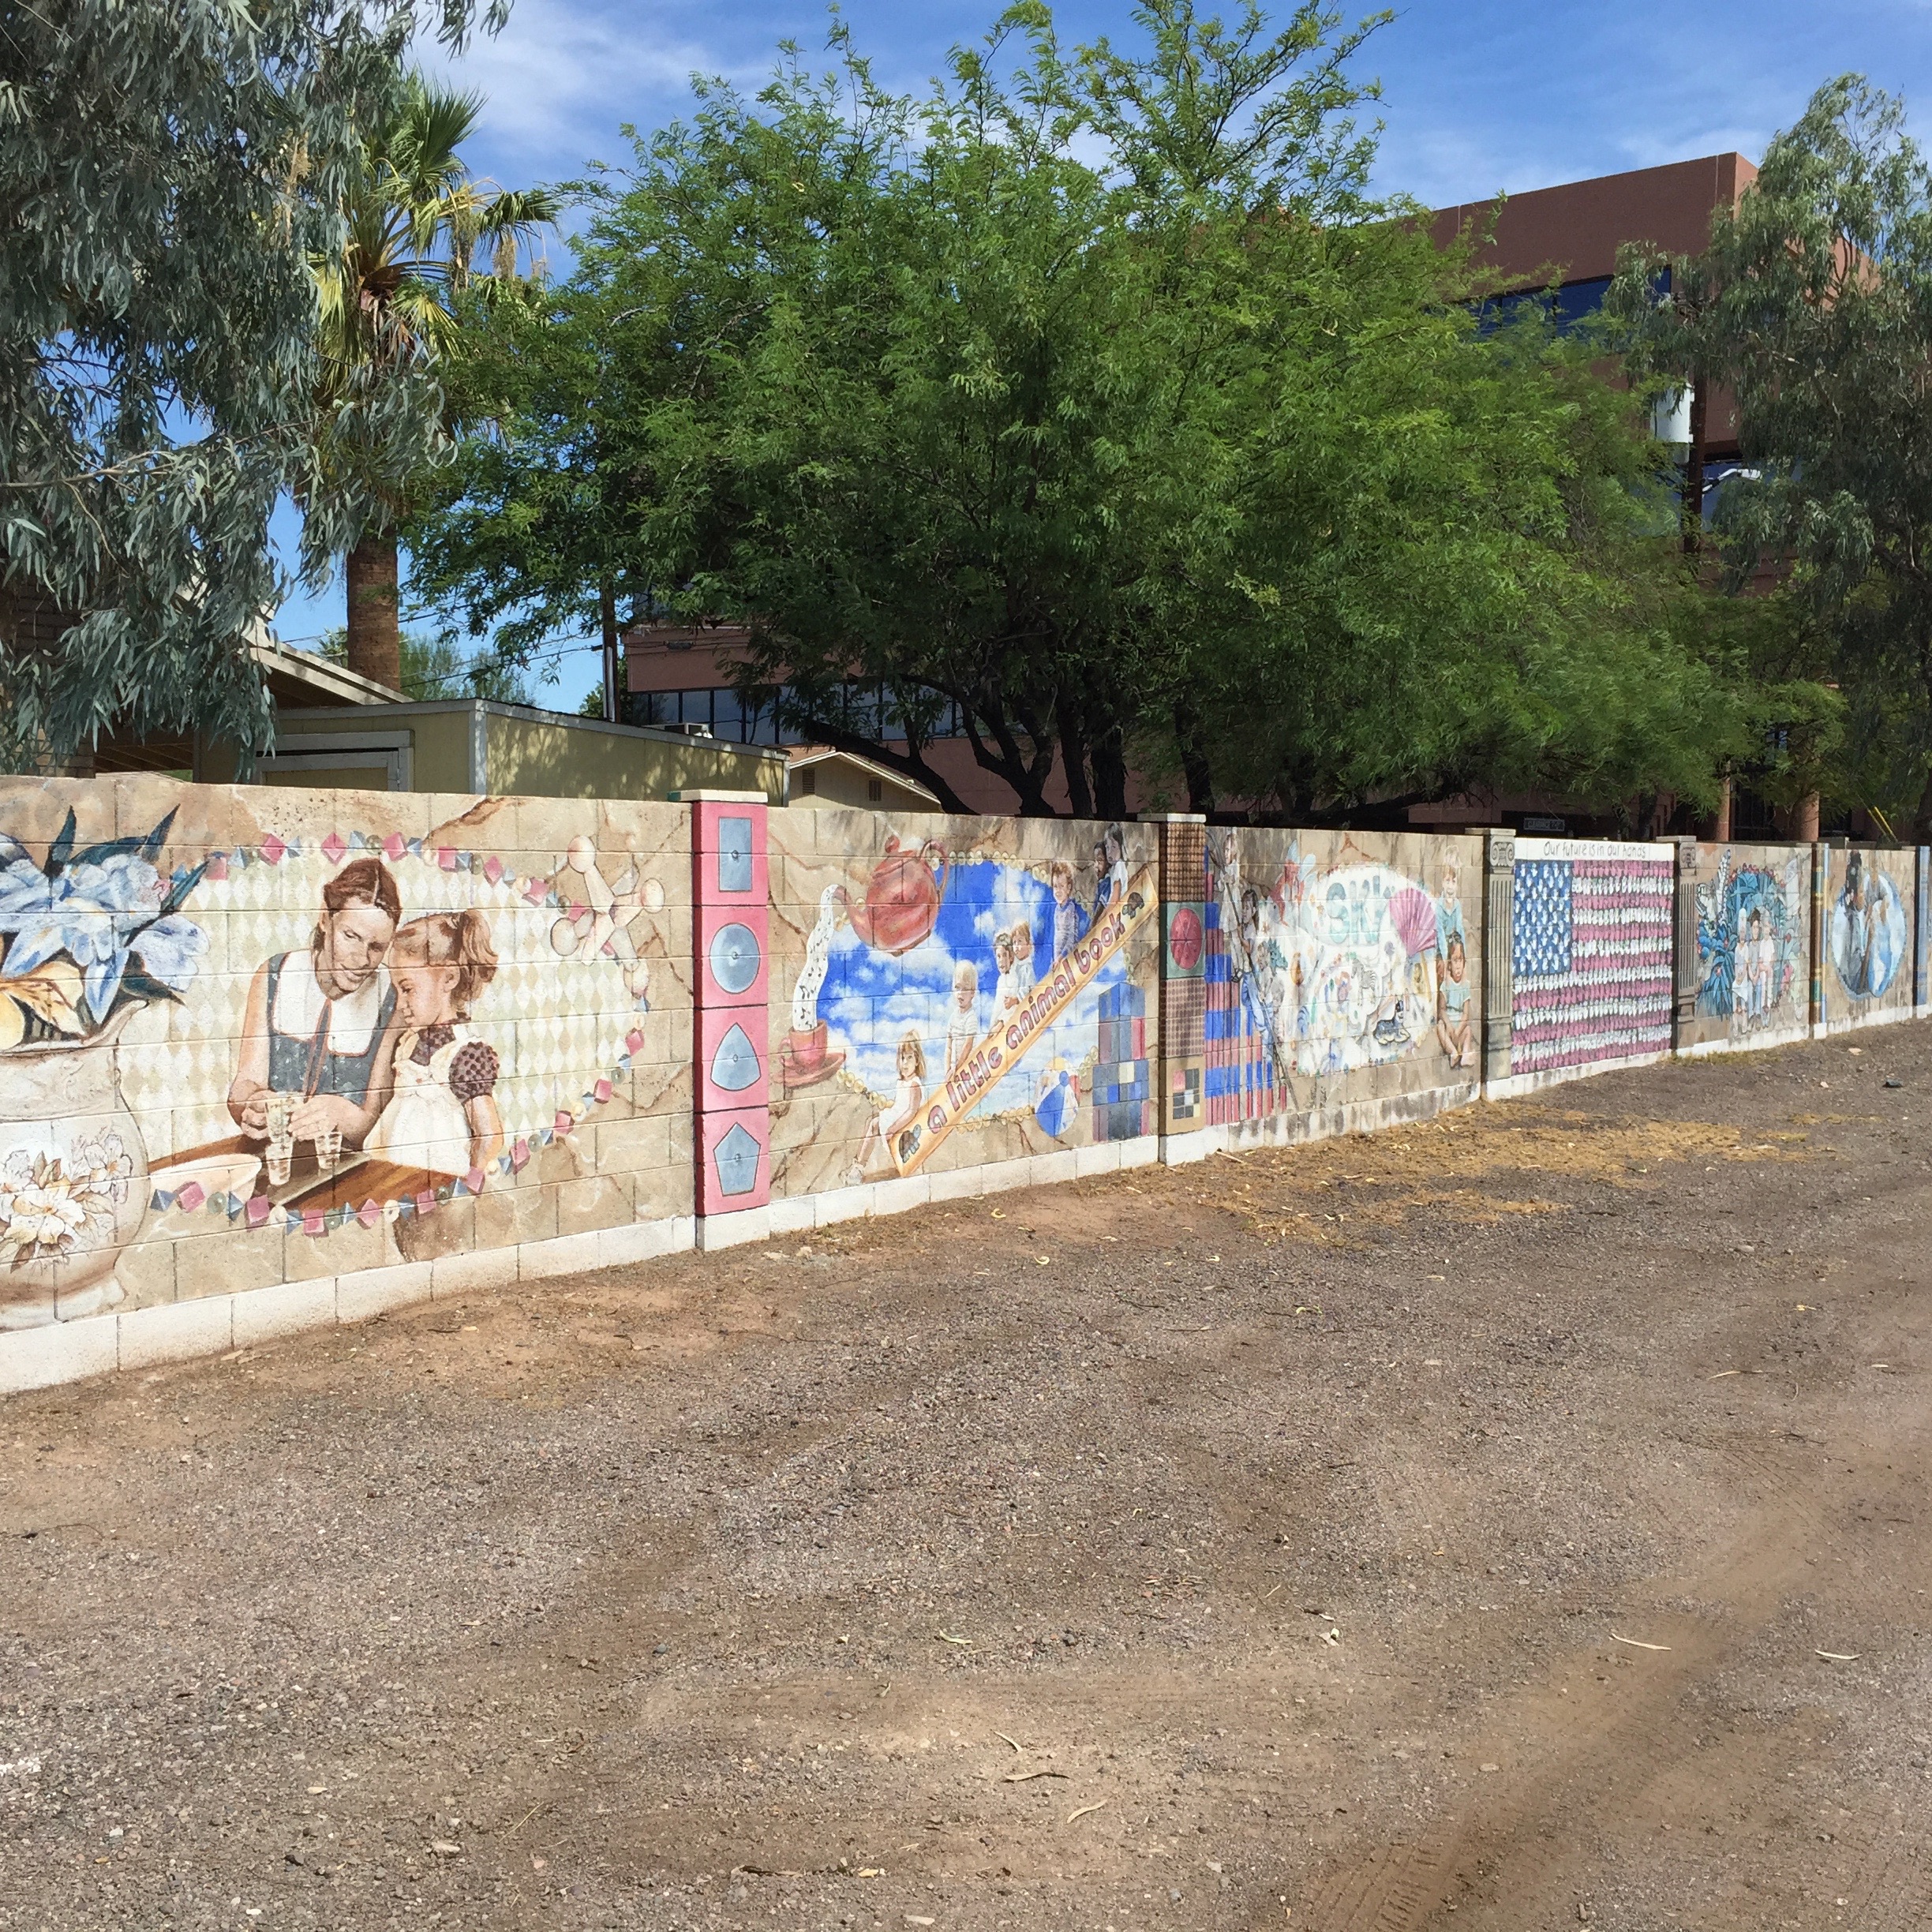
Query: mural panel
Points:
[246, 1036]
[955, 992]
[1338, 966]
[1753, 904]
[1869, 894]
[1591, 952]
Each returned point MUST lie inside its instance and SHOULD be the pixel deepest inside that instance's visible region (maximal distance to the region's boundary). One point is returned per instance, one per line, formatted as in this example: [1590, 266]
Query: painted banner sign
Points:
[980, 1071]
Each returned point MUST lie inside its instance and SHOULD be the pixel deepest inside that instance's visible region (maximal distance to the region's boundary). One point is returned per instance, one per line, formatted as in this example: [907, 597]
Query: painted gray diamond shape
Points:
[736, 1157]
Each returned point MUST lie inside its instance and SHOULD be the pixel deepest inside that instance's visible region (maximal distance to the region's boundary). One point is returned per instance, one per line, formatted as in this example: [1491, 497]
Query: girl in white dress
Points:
[442, 1112]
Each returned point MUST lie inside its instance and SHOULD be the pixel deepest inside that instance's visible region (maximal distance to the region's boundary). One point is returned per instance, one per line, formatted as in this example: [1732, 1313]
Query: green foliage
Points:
[1092, 399]
[1813, 306]
[432, 667]
[170, 168]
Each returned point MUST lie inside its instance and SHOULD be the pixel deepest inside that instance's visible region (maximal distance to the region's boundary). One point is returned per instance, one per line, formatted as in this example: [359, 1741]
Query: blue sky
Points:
[1478, 96]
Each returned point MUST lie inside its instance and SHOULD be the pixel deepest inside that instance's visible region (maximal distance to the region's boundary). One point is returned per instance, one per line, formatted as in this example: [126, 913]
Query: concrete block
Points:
[283, 1309]
[369, 1292]
[848, 1204]
[1143, 1151]
[733, 1230]
[1051, 1169]
[31, 1358]
[901, 1194]
[1102, 1158]
[956, 1184]
[645, 1241]
[1182, 1150]
[176, 1331]
[563, 1254]
[476, 1270]
[792, 1214]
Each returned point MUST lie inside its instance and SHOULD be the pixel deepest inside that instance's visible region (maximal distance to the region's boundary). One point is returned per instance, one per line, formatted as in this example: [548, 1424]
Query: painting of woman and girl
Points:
[364, 1037]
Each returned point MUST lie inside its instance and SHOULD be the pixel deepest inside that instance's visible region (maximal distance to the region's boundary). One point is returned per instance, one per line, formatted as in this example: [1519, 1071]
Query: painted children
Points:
[1068, 919]
[1453, 1029]
[1023, 961]
[962, 1020]
[1005, 999]
[317, 1017]
[442, 1112]
[881, 1128]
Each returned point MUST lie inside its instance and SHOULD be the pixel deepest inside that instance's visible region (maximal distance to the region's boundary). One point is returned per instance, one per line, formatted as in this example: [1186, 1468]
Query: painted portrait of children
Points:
[1023, 962]
[1069, 921]
[963, 1016]
[1453, 1029]
[441, 1113]
[880, 1129]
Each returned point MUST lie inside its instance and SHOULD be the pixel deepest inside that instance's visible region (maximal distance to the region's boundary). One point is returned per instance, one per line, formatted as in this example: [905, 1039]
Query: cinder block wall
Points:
[1324, 982]
[145, 922]
[957, 1002]
[1746, 927]
[556, 1033]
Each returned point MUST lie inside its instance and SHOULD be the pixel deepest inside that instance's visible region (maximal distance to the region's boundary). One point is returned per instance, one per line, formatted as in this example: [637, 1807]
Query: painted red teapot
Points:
[902, 896]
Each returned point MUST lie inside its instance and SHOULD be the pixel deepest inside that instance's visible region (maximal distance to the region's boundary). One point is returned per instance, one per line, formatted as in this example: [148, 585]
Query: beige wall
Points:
[873, 916]
[588, 1015]
[555, 760]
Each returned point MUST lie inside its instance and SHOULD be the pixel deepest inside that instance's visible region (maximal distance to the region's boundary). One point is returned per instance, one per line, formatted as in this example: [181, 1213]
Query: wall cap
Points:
[706, 797]
[1170, 817]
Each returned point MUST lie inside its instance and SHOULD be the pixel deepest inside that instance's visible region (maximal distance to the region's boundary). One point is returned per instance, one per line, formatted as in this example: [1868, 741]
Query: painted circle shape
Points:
[735, 958]
[1184, 938]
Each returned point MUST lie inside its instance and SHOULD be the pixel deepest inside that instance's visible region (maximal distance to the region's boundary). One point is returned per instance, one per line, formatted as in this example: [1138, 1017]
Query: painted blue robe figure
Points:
[1059, 1102]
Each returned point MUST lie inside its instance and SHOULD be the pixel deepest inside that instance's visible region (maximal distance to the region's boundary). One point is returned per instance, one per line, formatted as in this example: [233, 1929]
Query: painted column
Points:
[1821, 936]
[1922, 932]
[731, 1029]
[1498, 961]
[1684, 947]
[1183, 981]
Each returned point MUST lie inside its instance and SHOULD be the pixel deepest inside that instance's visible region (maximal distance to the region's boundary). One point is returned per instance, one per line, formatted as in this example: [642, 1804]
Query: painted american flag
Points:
[1590, 952]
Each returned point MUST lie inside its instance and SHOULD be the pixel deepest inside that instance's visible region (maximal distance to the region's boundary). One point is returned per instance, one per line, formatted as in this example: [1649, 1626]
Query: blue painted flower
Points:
[99, 913]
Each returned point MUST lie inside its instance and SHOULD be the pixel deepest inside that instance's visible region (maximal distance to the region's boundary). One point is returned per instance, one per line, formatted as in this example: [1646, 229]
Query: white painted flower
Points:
[45, 1217]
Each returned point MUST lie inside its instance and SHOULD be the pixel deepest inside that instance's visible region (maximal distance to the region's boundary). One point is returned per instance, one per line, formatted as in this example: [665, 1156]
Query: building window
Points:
[875, 790]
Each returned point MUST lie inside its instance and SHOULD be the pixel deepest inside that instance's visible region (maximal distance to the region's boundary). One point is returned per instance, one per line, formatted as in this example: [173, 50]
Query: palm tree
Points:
[390, 306]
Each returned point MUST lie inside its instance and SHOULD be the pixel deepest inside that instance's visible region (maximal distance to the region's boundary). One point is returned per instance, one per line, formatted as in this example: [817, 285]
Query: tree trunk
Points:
[1073, 754]
[1693, 505]
[1193, 759]
[1110, 765]
[375, 631]
[607, 608]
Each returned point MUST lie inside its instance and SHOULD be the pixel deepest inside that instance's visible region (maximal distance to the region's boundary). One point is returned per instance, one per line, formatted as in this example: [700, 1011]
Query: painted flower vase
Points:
[73, 1180]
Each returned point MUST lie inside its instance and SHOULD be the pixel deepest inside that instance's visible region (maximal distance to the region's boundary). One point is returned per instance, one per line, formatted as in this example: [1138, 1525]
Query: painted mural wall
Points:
[951, 993]
[249, 1035]
[1334, 967]
[1753, 910]
[1866, 933]
[1592, 945]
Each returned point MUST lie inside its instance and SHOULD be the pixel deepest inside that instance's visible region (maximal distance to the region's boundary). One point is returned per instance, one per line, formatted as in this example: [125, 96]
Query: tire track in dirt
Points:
[1620, 1740]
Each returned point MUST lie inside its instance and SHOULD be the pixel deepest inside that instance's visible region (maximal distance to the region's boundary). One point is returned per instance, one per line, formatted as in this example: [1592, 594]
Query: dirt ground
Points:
[1518, 1522]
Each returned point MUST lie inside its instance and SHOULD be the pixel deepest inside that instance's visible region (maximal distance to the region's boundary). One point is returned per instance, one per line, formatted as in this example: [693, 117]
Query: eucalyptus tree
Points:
[170, 169]
[1812, 305]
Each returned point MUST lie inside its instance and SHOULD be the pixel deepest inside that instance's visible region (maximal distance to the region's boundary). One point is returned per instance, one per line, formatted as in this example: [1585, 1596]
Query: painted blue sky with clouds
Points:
[1478, 96]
